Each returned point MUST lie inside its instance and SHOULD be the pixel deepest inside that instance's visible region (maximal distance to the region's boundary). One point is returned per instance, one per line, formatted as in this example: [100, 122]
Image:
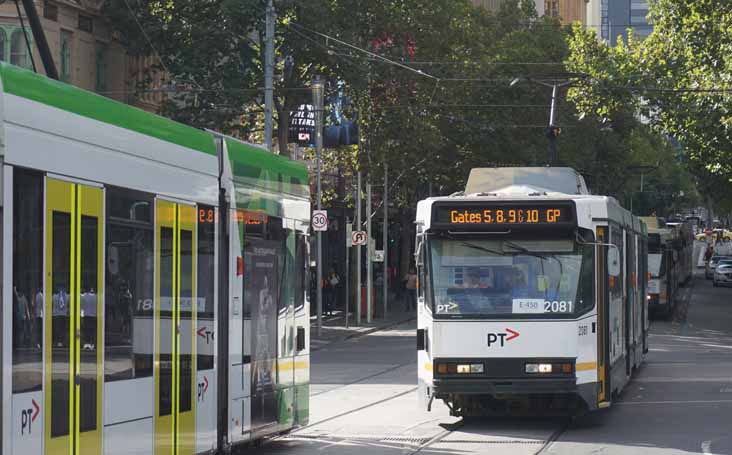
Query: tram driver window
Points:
[129, 275]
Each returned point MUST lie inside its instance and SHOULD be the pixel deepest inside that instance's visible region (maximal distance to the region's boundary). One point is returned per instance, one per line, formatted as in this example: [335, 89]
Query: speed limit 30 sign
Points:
[320, 220]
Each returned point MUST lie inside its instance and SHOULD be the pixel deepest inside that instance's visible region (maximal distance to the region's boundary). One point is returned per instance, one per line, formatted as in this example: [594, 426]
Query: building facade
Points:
[83, 47]
[567, 10]
[612, 18]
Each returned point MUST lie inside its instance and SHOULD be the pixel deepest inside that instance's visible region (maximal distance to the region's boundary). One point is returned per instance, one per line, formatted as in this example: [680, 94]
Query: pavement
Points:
[363, 398]
[335, 329]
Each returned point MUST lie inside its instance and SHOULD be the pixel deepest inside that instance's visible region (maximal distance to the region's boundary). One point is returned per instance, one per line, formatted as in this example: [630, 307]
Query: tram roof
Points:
[247, 158]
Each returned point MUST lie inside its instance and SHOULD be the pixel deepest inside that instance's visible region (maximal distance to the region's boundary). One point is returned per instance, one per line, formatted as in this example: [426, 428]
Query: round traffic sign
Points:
[320, 220]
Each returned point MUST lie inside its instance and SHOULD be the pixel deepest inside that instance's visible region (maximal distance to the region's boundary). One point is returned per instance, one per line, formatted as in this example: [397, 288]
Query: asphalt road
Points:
[364, 399]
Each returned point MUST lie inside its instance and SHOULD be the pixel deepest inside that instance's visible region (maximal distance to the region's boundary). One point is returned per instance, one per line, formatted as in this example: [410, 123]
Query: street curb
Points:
[364, 333]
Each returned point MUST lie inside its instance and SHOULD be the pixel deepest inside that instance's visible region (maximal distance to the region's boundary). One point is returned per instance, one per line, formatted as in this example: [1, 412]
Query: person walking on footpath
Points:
[331, 284]
[411, 286]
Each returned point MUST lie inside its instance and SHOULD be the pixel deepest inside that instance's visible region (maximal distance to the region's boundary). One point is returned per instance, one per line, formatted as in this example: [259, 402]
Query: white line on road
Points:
[706, 447]
[625, 403]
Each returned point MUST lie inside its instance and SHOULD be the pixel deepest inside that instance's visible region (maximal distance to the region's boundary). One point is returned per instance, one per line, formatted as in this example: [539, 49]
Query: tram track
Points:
[452, 428]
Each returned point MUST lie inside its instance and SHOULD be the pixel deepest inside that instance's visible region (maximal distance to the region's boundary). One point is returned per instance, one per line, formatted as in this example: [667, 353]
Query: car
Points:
[723, 274]
[712, 265]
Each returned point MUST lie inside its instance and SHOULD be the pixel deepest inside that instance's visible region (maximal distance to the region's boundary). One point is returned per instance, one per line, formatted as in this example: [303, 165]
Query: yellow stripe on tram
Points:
[77, 317]
[586, 366]
[72, 319]
[300, 365]
[428, 366]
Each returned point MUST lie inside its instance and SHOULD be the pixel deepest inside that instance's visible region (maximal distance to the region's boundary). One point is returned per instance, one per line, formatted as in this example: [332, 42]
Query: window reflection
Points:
[129, 285]
[27, 281]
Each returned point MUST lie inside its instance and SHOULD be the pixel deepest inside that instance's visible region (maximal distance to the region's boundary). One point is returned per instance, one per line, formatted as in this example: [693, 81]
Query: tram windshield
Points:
[510, 278]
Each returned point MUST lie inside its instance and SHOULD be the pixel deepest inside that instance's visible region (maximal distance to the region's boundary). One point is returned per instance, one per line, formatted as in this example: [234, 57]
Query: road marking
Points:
[706, 447]
[624, 403]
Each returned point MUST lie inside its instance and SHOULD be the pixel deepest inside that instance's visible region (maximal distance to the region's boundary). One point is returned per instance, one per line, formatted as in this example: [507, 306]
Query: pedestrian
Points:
[411, 288]
[331, 282]
[708, 253]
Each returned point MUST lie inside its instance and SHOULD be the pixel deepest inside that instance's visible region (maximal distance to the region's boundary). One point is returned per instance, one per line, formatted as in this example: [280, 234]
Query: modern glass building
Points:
[613, 18]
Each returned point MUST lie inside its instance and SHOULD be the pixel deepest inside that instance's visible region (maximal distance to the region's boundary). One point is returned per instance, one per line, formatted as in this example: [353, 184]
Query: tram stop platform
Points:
[334, 327]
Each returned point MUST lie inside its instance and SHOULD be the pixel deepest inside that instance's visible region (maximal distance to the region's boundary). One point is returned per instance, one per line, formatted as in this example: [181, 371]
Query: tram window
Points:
[185, 389]
[89, 296]
[205, 290]
[129, 276]
[165, 385]
[27, 281]
[61, 280]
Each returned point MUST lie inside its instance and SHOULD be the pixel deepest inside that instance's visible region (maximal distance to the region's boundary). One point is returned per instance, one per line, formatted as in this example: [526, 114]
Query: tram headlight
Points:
[534, 368]
[470, 368]
[460, 368]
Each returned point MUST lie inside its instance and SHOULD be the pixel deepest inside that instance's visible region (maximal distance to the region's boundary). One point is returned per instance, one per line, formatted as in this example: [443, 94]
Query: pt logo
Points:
[28, 416]
[202, 387]
[208, 335]
[502, 337]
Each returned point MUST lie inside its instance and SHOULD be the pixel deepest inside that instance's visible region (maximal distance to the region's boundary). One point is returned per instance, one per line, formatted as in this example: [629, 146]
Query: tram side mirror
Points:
[300, 339]
[613, 261]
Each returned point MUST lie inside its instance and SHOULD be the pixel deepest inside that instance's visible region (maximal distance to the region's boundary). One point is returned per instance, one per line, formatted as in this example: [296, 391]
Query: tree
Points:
[677, 78]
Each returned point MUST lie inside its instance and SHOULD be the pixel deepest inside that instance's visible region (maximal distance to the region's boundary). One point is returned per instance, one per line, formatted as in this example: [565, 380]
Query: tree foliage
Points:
[678, 78]
[430, 84]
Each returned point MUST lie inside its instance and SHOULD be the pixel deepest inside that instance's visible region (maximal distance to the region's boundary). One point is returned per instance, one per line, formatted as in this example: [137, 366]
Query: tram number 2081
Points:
[560, 306]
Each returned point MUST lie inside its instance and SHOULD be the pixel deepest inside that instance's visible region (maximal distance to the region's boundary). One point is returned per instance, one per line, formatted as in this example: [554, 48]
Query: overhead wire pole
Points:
[40, 37]
[318, 90]
[269, 75]
[385, 241]
[369, 265]
[358, 247]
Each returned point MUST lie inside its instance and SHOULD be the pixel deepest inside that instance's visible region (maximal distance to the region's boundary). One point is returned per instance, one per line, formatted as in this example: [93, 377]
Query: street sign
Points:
[358, 238]
[320, 220]
[378, 256]
[349, 229]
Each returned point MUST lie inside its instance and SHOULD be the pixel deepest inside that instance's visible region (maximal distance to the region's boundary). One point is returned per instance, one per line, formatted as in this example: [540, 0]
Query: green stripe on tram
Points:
[271, 172]
[35, 87]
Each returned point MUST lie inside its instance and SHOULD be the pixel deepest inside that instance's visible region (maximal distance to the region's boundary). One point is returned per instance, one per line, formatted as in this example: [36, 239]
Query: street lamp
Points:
[556, 82]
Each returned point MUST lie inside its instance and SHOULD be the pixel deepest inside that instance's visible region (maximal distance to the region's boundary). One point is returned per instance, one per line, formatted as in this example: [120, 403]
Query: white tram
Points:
[532, 294]
[154, 280]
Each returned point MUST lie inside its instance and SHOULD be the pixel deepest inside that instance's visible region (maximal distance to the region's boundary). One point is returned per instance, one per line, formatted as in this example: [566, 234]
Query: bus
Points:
[532, 295]
[154, 280]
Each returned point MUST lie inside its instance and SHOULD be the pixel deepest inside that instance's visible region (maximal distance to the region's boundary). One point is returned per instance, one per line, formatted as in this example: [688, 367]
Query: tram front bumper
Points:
[522, 386]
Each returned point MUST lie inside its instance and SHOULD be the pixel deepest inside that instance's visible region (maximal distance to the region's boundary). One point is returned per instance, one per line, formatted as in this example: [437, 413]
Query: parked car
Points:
[712, 265]
[723, 274]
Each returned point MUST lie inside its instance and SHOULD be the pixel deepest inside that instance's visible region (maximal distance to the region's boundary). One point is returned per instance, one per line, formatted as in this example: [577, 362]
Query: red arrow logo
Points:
[202, 332]
[38, 410]
[205, 384]
[513, 333]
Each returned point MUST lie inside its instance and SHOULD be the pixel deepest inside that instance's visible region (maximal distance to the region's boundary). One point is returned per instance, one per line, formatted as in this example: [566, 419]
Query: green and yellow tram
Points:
[153, 280]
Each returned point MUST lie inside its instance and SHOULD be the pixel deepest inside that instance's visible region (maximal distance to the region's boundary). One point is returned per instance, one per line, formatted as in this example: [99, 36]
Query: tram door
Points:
[73, 348]
[175, 341]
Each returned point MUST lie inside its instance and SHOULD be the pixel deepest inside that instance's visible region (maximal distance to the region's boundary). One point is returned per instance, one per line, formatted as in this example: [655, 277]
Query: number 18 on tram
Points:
[528, 304]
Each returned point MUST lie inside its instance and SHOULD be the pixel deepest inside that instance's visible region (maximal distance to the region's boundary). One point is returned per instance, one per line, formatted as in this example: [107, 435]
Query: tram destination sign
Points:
[465, 214]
